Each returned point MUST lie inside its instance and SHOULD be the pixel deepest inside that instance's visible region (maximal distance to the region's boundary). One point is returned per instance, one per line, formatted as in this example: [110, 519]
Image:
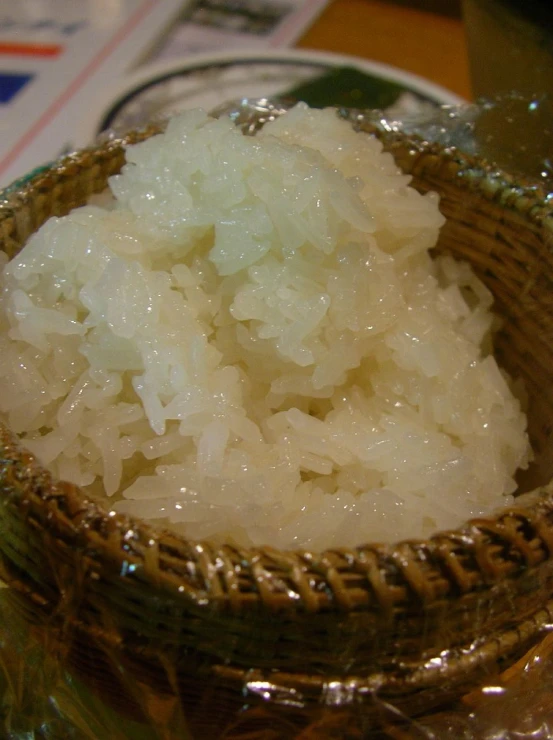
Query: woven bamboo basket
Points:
[308, 641]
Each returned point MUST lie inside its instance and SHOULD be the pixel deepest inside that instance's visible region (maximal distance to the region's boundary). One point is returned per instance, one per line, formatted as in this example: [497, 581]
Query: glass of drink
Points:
[510, 45]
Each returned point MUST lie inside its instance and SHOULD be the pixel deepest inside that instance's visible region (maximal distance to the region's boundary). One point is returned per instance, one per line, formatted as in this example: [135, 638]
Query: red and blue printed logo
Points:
[11, 83]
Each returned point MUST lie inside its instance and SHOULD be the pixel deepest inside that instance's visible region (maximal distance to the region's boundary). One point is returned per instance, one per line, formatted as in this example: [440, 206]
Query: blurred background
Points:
[64, 67]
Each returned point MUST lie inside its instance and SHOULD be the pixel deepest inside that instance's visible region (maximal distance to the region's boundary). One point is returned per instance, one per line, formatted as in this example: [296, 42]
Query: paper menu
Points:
[54, 56]
[57, 56]
[214, 25]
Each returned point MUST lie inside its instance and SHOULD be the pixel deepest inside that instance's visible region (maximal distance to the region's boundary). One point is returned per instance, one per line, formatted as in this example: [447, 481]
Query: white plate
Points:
[208, 80]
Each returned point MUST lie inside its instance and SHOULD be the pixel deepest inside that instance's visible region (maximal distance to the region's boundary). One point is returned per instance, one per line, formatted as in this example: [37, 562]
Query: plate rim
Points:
[89, 128]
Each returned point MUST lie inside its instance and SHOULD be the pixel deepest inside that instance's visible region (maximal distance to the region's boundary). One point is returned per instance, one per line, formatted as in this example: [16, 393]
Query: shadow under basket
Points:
[157, 624]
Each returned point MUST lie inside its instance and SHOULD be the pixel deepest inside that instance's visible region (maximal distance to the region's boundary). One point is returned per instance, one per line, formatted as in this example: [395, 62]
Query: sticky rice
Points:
[249, 341]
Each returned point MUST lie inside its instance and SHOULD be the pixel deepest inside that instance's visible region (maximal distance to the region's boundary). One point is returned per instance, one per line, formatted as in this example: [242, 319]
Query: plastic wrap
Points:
[62, 677]
[510, 131]
[43, 701]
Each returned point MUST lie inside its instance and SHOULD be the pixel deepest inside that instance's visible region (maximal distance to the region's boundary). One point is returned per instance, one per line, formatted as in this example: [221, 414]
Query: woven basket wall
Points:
[139, 612]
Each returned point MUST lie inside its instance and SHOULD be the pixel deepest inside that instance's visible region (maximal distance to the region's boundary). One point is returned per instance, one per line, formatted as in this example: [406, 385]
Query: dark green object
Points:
[348, 87]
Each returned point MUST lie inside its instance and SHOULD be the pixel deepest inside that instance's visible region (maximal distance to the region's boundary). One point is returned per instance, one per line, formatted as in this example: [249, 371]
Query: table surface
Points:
[428, 44]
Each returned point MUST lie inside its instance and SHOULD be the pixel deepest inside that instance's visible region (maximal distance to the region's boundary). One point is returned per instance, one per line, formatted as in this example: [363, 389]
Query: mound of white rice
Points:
[252, 343]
